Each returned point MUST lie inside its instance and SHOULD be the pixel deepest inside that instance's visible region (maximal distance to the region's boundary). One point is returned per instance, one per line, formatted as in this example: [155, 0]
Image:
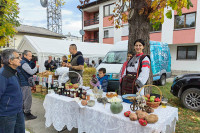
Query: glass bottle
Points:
[80, 92]
[68, 92]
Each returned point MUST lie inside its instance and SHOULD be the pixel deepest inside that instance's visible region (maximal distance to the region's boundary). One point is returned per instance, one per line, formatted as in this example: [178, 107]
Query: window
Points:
[96, 16]
[186, 52]
[185, 21]
[106, 33]
[125, 30]
[112, 7]
[126, 6]
[108, 9]
[115, 57]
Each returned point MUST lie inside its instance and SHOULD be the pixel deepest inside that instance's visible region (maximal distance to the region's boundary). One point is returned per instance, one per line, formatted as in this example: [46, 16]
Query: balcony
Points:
[91, 22]
[91, 40]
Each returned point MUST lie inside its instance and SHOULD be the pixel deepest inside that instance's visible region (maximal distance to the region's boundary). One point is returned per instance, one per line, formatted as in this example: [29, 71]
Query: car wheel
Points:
[190, 98]
[162, 80]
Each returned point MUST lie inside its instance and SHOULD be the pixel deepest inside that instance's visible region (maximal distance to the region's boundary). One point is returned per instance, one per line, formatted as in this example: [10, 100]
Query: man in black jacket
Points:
[50, 64]
[77, 64]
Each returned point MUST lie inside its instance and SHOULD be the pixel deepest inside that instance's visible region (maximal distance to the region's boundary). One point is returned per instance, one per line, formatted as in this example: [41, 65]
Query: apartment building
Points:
[182, 33]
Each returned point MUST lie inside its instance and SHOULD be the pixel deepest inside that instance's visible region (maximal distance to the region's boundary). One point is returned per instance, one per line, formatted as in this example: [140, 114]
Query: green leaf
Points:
[179, 12]
[169, 14]
[156, 25]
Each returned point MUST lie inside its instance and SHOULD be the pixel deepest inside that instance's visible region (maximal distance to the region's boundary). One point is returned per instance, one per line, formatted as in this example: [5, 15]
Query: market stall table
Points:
[63, 111]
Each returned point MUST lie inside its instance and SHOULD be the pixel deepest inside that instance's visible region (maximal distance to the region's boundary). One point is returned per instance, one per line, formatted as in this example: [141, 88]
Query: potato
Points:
[133, 116]
[152, 118]
[142, 115]
[138, 111]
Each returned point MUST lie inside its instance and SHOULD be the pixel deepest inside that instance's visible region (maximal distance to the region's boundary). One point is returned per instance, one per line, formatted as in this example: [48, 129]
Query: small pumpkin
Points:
[133, 116]
[84, 102]
[116, 107]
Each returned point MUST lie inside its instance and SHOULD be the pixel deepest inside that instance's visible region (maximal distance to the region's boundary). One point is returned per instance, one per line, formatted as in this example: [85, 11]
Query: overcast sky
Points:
[32, 13]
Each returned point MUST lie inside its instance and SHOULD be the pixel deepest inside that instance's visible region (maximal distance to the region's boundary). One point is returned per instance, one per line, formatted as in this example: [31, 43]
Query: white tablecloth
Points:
[64, 111]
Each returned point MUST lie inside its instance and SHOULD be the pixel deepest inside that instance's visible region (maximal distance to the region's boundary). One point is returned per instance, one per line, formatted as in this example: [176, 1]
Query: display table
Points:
[64, 111]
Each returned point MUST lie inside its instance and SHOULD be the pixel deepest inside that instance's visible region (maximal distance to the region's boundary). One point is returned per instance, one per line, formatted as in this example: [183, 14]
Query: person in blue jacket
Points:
[25, 72]
[11, 99]
[103, 79]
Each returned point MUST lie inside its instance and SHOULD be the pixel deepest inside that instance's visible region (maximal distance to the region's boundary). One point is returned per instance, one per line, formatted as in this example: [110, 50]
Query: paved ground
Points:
[170, 80]
[38, 125]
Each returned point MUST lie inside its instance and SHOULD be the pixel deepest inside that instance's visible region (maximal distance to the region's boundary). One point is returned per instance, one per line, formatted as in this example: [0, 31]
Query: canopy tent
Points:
[43, 47]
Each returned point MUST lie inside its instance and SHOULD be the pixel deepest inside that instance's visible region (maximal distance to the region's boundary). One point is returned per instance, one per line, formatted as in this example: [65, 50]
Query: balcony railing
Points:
[91, 22]
[91, 40]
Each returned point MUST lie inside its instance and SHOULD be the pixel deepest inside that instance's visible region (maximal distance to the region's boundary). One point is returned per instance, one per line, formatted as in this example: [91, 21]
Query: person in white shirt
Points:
[60, 71]
[137, 70]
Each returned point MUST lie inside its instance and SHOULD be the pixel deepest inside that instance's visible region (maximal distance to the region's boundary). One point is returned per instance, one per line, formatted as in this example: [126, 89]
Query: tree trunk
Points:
[139, 28]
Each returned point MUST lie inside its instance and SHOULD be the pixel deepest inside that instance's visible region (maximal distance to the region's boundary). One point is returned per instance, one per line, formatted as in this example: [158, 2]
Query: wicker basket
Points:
[79, 77]
[153, 104]
[38, 88]
[44, 89]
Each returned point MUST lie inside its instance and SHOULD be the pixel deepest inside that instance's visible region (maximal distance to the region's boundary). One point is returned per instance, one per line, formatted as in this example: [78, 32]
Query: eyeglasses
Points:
[17, 58]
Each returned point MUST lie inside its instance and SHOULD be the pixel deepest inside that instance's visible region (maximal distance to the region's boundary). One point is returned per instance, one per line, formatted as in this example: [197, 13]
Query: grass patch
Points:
[38, 95]
[28, 130]
[189, 121]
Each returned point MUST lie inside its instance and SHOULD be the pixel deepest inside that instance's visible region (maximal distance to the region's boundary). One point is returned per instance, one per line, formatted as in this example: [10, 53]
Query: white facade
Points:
[184, 65]
[70, 37]
[167, 29]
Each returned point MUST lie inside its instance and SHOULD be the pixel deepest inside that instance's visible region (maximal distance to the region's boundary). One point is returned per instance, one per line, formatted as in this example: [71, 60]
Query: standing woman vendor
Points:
[137, 71]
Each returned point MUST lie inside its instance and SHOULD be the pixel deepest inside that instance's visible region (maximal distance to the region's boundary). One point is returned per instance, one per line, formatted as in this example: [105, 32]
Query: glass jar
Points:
[88, 97]
[72, 93]
[84, 92]
[76, 93]
[55, 90]
[80, 92]
[68, 92]
[59, 91]
[65, 92]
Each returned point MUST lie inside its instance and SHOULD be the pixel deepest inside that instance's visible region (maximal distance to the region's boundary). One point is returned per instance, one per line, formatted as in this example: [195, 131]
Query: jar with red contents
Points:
[84, 93]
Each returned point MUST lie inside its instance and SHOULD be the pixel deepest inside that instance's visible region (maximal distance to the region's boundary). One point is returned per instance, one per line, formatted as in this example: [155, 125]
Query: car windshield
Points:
[115, 57]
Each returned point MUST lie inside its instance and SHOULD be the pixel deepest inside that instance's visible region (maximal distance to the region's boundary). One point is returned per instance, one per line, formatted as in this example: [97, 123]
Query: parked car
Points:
[114, 59]
[187, 88]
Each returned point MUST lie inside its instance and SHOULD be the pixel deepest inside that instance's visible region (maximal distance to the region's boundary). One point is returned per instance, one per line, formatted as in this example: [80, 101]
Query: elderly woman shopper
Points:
[137, 70]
